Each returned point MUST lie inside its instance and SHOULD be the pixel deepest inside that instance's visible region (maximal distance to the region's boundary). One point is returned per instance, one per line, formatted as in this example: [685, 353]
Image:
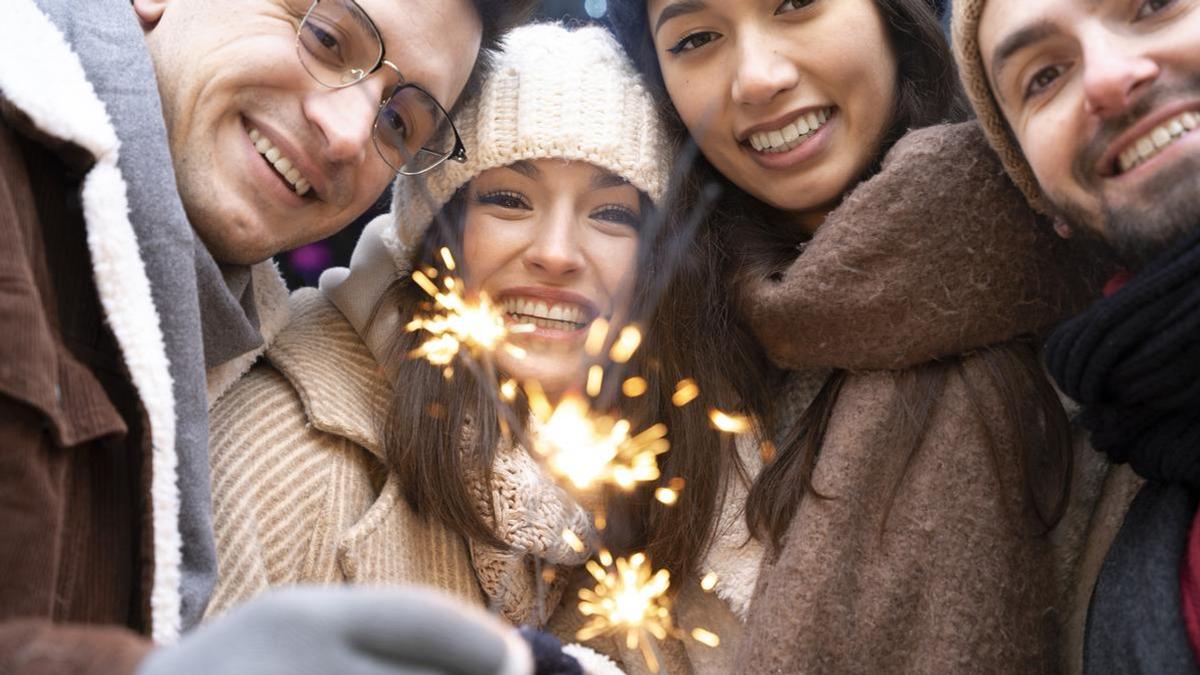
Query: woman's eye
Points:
[1042, 79]
[693, 41]
[620, 215]
[792, 5]
[504, 199]
[1151, 7]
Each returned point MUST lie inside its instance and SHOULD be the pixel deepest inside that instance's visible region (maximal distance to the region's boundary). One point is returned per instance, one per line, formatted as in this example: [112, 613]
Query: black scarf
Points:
[1133, 361]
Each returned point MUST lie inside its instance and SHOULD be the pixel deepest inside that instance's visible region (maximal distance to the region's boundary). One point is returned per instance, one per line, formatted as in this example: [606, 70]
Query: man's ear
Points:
[149, 12]
[1063, 229]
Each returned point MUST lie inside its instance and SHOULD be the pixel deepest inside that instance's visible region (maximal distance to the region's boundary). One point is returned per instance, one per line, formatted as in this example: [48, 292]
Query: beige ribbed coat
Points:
[300, 493]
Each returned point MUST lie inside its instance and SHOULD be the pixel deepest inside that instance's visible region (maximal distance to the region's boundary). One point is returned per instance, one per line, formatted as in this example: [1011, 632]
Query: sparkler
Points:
[587, 448]
[458, 323]
[628, 599]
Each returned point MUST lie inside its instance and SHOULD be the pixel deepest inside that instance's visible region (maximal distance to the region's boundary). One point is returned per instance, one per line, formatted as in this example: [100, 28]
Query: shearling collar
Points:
[343, 389]
[936, 255]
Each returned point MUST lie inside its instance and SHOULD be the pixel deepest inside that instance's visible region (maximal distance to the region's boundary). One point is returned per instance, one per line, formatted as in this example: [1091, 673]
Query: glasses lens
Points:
[413, 133]
[338, 43]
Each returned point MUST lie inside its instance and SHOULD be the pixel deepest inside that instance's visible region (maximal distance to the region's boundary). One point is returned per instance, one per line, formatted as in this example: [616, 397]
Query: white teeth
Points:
[1159, 138]
[565, 316]
[281, 164]
[791, 135]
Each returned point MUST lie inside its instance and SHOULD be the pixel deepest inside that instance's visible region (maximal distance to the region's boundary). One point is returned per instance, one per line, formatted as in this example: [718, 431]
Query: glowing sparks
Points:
[630, 599]
[709, 582]
[597, 334]
[705, 637]
[573, 541]
[627, 343]
[595, 380]
[666, 496]
[587, 448]
[447, 259]
[633, 387]
[508, 391]
[731, 424]
[456, 323]
[685, 392]
[768, 452]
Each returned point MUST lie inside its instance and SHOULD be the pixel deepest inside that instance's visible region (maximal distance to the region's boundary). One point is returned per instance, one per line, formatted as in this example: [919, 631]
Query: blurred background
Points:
[303, 266]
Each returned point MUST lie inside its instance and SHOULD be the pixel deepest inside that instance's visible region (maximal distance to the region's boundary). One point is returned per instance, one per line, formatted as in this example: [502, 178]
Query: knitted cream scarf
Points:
[530, 514]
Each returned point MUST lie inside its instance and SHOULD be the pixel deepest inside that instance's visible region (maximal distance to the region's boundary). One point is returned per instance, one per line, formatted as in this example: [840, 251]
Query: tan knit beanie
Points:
[965, 27]
[554, 93]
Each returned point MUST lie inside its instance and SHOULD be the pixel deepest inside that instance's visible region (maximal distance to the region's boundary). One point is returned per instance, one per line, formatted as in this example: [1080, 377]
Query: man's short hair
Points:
[497, 16]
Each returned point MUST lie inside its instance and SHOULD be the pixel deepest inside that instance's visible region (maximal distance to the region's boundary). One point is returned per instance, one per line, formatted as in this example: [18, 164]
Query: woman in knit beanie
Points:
[913, 503]
[343, 459]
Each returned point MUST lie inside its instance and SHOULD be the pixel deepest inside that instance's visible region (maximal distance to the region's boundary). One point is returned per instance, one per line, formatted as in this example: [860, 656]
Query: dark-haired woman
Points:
[913, 508]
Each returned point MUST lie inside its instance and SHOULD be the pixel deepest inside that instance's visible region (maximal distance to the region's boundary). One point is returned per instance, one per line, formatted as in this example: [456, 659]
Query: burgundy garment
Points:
[72, 433]
[1189, 582]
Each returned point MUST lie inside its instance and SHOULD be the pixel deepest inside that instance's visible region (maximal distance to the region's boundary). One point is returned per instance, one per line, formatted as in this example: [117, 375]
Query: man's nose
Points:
[345, 118]
[1114, 73]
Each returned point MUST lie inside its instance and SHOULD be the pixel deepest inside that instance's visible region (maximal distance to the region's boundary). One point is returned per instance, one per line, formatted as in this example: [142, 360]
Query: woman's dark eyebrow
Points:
[677, 9]
[602, 180]
[525, 168]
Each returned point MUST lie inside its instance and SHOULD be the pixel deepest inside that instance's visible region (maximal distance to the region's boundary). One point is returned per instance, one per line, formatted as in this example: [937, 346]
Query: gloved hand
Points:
[354, 631]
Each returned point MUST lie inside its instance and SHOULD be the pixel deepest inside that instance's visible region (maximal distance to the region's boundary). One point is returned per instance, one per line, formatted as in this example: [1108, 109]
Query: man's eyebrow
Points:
[1017, 41]
[676, 9]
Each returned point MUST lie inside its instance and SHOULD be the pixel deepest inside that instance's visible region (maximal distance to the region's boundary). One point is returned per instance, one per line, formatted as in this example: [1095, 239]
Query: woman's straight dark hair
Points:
[747, 239]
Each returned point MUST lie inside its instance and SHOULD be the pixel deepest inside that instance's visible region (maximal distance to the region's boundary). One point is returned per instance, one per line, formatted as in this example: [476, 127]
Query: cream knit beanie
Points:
[965, 26]
[556, 93]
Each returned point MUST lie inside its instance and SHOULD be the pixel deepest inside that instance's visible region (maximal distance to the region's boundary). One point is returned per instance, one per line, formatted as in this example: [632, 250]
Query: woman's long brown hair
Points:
[1003, 382]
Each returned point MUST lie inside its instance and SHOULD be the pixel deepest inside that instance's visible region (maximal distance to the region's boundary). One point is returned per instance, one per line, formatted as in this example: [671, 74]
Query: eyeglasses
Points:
[340, 46]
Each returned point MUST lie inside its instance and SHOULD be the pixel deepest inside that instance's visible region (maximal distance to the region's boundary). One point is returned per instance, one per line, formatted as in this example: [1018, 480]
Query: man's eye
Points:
[1151, 7]
[693, 41]
[505, 199]
[1042, 79]
[792, 5]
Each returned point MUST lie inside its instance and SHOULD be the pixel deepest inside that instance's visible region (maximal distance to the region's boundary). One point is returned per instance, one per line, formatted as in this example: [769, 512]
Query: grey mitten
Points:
[367, 631]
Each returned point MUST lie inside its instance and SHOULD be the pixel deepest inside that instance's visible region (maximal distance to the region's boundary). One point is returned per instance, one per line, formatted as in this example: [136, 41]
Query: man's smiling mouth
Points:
[282, 165]
[1145, 148]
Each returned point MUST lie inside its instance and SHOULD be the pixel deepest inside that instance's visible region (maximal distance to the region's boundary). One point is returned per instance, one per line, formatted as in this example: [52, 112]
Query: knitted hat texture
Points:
[965, 29]
[554, 93]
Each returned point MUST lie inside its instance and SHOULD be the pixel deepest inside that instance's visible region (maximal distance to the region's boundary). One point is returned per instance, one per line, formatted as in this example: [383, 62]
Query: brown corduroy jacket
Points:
[929, 562]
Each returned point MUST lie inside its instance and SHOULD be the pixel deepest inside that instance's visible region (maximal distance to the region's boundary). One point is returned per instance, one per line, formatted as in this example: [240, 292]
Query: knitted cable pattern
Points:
[529, 513]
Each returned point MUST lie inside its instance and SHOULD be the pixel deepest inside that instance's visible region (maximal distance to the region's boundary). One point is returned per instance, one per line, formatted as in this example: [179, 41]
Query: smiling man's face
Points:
[1103, 97]
[266, 159]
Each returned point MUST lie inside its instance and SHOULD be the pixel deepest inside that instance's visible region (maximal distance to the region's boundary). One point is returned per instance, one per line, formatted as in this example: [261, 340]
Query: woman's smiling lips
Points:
[554, 314]
[791, 140]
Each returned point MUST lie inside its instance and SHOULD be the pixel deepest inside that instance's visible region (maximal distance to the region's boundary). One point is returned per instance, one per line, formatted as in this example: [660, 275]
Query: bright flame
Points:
[595, 381]
[627, 343]
[573, 541]
[685, 392]
[456, 323]
[733, 424]
[666, 496]
[628, 599]
[634, 387]
[709, 581]
[587, 448]
[705, 637]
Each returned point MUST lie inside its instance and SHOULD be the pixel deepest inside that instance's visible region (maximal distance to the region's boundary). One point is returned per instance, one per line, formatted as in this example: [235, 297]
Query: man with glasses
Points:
[154, 155]
[1094, 107]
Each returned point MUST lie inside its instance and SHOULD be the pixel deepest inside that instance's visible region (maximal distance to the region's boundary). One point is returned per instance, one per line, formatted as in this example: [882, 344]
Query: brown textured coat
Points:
[935, 257]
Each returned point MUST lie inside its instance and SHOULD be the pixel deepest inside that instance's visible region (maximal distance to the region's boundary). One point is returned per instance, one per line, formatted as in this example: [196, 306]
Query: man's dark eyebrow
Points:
[676, 9]
[1016, 42]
